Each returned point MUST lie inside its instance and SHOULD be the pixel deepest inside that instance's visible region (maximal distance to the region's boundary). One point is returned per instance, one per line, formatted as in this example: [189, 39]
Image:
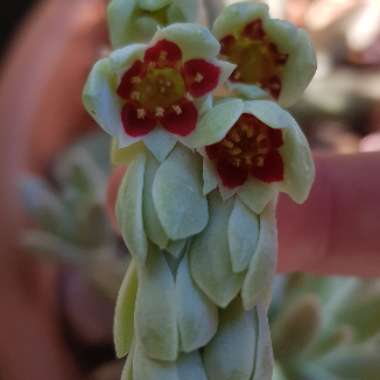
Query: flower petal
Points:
[127, 373]
[195, 41]
[257, 286]
[124, 312]
[176, 248]
[231, 175]
[230, 355]
[177, 194]
[210, 260]
[235, 16]
[264, 351]
[100, 99]
[126, 85]
[154, 230]
[197, 315]
[243, 233]
[163, 50]
[301, 65]
[201, 76]
[129, 209]
[181, 119]
[272, 170]
[210, 179]
[214, 124]
[134, 124]
[155, 315]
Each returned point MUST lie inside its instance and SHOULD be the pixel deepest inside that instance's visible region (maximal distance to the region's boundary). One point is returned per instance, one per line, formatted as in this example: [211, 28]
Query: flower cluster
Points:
[196, 207]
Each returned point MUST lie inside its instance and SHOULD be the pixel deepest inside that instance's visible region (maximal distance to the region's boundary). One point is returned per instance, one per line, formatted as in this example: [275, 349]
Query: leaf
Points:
[230, 355]
[123, 327]
[210, 259]
[197, 315]
[177, 195]
[243, 233]
[129, 213]
[155, 315]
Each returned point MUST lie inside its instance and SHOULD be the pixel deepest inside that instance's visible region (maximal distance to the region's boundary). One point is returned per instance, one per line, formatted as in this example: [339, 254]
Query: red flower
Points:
[160, 89]
[258, 59]
[249, 149]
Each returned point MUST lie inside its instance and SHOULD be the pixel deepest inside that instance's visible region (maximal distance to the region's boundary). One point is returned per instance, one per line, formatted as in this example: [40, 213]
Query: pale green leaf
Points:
[152, 224]
[257, 286]
[190, 367]
[177, 194]
[155, 315]
[197, 315]
[153, 5]
[210, 259]
[243, 233]
[129, 209]
[124, 312]
[230, 355]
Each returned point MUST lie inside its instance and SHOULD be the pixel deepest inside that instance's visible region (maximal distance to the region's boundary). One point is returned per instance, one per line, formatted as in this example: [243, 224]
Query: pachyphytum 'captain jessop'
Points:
[196, 115]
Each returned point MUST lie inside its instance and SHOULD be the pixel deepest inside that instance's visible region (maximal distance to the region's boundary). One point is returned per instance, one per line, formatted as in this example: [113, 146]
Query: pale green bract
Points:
[301, 63]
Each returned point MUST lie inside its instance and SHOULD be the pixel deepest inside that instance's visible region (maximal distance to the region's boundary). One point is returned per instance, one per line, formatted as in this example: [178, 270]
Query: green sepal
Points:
[230, 355]
[124, 312]
[160, 143]
[153, 228]
[123, 156]
[177, 194]
[257, 286]
[210, 259]
[129, 213]
[197, 315]
[155, 314]
[264, 361]
[176, 248]
[243, 233]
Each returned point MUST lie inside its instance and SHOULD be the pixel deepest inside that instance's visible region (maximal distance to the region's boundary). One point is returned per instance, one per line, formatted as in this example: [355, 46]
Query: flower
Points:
[273, 57]
[262, 153]
[137, 20]
[156, 92]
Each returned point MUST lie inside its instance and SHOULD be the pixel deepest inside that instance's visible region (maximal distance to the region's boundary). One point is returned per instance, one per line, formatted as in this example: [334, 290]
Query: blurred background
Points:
[60, 261]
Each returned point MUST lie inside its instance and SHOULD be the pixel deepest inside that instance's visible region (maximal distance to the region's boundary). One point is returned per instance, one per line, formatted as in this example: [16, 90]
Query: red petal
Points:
[227, 44]
[273, 169]
[163, 51]
[231, 175]
[135, 126]
[126, 85]
[213, 151]
[276, 138]
[201, 76]
[254, 30]
[183, 123]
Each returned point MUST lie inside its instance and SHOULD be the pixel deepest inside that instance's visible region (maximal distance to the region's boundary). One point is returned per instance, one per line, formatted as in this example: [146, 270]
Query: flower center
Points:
[249, 148]
[158, 88]
[258, 59]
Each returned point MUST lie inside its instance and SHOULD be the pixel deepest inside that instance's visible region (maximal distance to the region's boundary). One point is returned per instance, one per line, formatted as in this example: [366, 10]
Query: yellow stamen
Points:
[198, 77]
[141, 113]
[235, 137]
[177, 110]
[236, 151]
[260, 161]
[228, 144]
[136, 80]
[159, 112]
[135, 95]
